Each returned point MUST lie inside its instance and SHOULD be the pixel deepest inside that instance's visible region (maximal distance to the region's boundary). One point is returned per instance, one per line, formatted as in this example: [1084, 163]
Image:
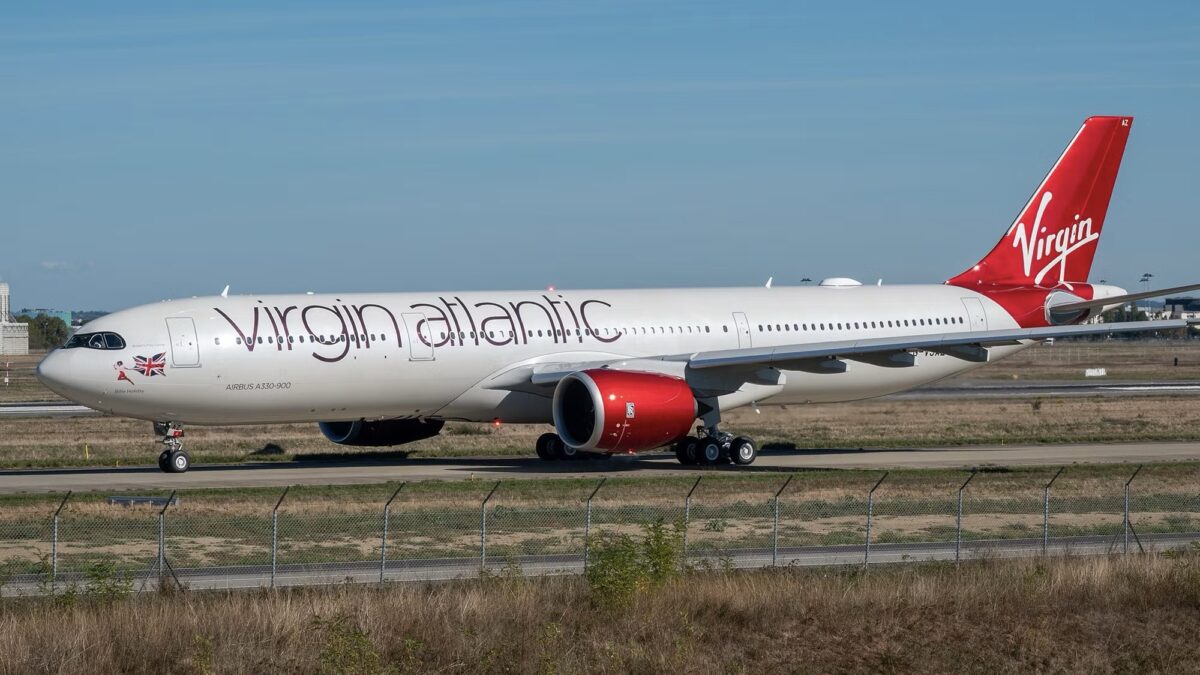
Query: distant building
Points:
[1181, 308]
[64, 315]
[14, 337]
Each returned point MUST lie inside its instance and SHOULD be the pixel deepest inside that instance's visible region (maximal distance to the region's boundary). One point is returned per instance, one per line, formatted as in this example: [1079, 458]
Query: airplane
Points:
[614, 371]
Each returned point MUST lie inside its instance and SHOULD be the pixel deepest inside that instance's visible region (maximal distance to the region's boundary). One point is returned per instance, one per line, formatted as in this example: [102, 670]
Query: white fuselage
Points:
[292, 358]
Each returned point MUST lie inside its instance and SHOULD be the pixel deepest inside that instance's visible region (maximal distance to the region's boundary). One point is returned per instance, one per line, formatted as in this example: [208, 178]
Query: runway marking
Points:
[1154, 387]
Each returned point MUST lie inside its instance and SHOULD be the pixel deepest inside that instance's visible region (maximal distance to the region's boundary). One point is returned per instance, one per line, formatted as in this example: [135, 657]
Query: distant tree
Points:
[1124, 313]
[46, 332]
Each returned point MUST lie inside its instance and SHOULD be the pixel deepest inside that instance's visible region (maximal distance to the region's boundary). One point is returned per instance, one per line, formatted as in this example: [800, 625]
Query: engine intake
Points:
[381, 433]
[622, 411]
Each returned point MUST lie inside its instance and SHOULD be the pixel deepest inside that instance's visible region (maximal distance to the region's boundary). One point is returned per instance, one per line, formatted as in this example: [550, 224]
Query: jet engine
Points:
[380, 433]
[622, 411]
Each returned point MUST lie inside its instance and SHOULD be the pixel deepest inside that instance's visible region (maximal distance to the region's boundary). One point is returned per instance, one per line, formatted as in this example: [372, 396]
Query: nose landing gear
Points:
[173, 459]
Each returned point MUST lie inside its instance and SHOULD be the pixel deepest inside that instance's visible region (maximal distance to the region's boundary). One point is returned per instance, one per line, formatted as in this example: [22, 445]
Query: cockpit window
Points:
[95, 341]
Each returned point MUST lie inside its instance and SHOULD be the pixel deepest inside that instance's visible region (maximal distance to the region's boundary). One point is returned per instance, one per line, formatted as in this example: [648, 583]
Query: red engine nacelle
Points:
[622, 411]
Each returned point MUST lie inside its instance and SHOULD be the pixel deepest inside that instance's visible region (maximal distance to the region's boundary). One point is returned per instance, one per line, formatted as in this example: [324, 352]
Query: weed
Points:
[106, 584]
[202, 654]
[348, 649]
[716, 525]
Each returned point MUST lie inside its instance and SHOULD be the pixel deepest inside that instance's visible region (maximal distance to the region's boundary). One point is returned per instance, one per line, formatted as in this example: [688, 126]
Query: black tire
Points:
[743, 451]
[686, 455]
[710, 452]
[545, 447]
[180, 462]
[164, 461]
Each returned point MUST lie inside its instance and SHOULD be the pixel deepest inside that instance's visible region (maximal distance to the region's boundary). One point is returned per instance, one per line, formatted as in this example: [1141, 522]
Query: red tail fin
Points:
[1054, 238]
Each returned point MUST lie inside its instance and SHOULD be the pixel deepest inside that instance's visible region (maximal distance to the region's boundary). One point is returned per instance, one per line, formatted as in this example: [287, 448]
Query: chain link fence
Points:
[430, 531]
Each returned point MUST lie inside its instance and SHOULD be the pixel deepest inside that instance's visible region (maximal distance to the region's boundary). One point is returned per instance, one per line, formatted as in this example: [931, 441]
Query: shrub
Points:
[620, 566]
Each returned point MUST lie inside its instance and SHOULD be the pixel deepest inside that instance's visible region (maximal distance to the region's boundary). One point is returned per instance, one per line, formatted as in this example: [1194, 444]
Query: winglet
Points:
[225, 293]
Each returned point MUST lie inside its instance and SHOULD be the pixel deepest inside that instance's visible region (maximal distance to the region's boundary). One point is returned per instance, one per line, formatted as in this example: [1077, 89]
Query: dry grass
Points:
[1124, 360]
[1137, 614]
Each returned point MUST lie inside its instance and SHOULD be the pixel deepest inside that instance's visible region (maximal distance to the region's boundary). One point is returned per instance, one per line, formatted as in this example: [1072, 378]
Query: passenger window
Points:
[238, 340]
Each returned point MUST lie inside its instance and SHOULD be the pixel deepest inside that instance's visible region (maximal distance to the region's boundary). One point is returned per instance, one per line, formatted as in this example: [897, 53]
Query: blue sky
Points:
[162, 150]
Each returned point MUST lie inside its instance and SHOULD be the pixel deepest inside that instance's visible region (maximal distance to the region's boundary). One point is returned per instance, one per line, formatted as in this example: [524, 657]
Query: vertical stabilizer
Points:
[1053, 239]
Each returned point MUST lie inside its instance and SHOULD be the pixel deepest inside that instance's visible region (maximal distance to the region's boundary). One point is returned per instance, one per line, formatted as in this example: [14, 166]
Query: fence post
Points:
[1046, 511]
[687, 517]
[162, 538]
[587, 523]
[275, 534]
[54, 540]
[483, 528]
[775, 528]
[1135, 473]
[387, 509]
[958, 520]
[870, 515]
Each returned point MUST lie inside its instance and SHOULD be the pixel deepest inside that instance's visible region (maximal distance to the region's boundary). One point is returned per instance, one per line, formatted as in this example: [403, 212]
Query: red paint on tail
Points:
[1054, 238]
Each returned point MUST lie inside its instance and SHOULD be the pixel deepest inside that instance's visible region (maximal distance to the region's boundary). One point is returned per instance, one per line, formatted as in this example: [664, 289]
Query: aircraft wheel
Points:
[545, 447]
[564, 451]
[685, 450]
[180, 462]
[164, 461]
[743, 451]
[710, 452]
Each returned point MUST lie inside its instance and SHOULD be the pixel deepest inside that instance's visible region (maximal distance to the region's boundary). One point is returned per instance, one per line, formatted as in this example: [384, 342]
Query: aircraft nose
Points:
[54, 373]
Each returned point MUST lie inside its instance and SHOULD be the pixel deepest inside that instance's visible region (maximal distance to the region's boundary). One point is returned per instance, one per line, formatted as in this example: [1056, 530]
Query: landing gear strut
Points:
[710, 447]
[173, 459]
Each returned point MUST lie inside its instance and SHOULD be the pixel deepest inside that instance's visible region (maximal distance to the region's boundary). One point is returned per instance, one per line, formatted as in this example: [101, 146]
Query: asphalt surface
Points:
[437, 569]
[149, 478]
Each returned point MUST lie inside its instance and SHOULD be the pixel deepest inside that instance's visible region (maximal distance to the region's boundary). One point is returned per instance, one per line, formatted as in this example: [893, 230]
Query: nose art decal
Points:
[147, 366]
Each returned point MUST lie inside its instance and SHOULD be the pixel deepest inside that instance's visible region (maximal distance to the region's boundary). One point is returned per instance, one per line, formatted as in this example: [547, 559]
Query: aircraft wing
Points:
[969, 346]
[818, 356]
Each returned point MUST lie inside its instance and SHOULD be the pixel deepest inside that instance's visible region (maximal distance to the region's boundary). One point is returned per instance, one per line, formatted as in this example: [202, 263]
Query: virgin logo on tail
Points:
[1036, 246]
[1067, 211]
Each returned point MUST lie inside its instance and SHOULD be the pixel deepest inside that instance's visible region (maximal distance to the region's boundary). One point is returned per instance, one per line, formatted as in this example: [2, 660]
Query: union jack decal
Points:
[150, 366]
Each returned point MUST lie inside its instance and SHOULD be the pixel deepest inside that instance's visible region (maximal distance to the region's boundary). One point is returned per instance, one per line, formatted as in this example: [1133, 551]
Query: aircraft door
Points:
[420, 336]
[976, 318]
[185, 347]
[743, 329]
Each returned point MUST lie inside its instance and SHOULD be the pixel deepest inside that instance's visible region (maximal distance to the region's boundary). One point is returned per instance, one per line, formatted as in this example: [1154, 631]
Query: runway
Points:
[268, 474]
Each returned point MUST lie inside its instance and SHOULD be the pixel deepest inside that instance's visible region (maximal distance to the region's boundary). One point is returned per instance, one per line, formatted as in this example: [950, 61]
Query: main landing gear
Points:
[711, 447]
[173, 459]
[551, 448]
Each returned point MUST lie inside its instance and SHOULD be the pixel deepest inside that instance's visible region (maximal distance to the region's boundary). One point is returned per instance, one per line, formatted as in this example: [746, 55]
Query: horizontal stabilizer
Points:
[1121, 299]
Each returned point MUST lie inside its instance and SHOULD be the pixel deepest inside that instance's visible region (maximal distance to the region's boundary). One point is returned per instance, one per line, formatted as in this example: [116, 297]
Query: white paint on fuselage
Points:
[382, 377]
